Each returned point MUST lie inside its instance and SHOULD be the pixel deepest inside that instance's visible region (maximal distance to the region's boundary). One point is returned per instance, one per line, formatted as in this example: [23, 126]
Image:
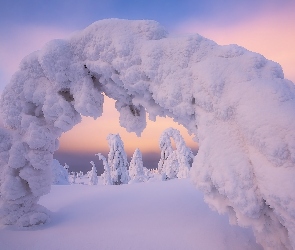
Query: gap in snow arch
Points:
[79, 145]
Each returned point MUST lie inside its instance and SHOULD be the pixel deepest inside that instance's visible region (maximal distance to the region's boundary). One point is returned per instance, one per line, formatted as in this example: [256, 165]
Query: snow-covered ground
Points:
[154, 215]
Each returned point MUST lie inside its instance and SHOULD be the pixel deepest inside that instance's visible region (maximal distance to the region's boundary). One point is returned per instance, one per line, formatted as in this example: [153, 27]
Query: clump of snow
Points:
[236, 102]
[60, 175]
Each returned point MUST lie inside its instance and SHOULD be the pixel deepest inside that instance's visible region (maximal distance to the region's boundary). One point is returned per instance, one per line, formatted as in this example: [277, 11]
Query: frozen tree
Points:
[106, 176]
[236, 103]
[74, 176]
[136, 169]
[66, 167]
[60, 175]
[148, 173]
[93, 179]
[117, 160]
[80, 174]
[174, 163]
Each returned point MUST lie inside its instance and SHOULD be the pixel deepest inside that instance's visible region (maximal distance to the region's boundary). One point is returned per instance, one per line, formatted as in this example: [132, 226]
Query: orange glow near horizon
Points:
[90, 135]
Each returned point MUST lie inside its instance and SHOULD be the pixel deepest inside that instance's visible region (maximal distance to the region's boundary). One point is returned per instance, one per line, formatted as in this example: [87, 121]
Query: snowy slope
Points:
[160, 215]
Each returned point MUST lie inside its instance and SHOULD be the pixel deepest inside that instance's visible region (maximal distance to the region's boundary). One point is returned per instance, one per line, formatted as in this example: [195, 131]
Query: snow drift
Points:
[236, 102]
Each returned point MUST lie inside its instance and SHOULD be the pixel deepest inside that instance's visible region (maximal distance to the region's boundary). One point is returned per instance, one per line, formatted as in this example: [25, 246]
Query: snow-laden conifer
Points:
[117, 160]
[93, 179]
[106, 176]
[136, 169]
[166, 151]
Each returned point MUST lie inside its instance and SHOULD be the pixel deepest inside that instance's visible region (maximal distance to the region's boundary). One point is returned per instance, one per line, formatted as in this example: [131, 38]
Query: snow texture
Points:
[236, 102]
[174, 163]
[60, 175]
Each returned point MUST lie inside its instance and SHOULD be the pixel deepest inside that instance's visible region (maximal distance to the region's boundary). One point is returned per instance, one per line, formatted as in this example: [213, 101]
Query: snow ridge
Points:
[236, 102]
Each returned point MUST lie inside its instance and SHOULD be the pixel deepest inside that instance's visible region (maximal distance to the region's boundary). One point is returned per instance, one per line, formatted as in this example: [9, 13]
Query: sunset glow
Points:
[90, 135]
[271, 33]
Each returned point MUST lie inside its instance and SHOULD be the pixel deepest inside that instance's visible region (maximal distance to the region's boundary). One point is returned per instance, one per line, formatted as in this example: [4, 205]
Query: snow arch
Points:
[237, 103]
[183, 156]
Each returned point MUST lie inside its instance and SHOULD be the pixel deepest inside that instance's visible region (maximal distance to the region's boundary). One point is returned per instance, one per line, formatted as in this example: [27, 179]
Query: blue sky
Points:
[78, 14]
[263, 26]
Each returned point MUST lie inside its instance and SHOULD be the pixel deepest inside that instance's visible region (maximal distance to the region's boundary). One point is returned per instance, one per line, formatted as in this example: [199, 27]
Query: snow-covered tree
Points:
[80, 174]
[117, 160]
[171, 166]
[93, 179]
[74, 176]
[148, 173]
[174, 163]
[166, 151]
[60, 175]
[106, 176]
[136, 169]
[66, 167]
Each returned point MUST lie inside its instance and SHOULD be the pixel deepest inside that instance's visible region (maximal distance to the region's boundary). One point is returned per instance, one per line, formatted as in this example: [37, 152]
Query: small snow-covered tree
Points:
[66, 167]
[148, 173]
[80, 175]
[174, 163]
[136, 170]
[93, 179]
[73, 174]
[60, 175]
[117, 160]
[106, 176]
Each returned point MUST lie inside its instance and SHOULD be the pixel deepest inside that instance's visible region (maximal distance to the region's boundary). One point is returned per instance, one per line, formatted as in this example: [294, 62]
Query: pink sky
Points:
[270, 33]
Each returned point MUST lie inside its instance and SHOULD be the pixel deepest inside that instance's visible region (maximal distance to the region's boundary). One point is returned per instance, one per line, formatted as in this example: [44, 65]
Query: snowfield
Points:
[155, 215]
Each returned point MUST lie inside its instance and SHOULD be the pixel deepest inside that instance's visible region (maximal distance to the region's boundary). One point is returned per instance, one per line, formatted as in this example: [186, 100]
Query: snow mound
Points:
[236, 102]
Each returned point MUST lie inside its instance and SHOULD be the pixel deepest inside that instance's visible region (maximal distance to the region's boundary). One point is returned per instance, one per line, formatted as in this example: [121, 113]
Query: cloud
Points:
[270, 32]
